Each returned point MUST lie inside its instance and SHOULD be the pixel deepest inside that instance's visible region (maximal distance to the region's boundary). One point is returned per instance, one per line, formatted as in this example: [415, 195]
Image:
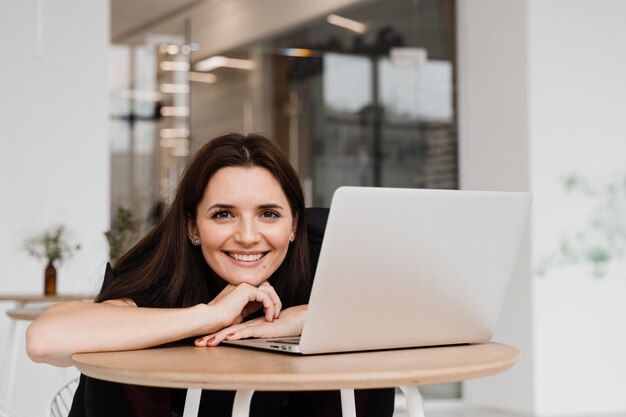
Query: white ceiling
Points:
[214, 25]
[131, 16]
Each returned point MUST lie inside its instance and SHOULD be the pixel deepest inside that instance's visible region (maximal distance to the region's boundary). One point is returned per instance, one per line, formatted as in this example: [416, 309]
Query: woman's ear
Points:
[294, 225]
[192, 230]
[294, 229]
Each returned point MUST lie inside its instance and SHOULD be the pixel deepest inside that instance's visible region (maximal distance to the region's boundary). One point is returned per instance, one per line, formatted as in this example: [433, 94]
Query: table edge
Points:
[265, 382]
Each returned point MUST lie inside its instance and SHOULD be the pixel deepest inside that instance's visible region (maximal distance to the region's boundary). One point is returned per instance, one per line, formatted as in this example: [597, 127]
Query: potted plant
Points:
[123, 235]
[52, 246]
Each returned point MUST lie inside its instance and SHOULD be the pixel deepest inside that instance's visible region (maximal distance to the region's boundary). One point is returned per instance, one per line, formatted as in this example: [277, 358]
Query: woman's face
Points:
[244, 224]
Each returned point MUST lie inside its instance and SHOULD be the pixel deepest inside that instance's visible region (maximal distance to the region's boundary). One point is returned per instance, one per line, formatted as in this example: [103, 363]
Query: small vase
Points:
[50, 283]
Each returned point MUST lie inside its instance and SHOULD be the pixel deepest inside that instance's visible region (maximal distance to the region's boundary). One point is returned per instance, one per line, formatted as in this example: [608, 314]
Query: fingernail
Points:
[210, 340]
[199, 340]
[230, 334]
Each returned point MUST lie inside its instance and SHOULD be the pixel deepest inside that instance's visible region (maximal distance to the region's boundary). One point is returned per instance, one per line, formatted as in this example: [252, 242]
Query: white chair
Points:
[62, 400]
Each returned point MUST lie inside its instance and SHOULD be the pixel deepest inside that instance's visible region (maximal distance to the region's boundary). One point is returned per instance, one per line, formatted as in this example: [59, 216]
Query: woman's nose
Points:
[247, 233]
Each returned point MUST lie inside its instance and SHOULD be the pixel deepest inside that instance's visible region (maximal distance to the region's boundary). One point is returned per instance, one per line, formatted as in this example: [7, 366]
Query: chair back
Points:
[62, 400]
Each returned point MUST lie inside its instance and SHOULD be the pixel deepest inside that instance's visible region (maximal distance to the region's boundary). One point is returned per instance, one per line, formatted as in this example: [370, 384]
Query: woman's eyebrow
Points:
[221, 206]
[271, 206]
[231, 206]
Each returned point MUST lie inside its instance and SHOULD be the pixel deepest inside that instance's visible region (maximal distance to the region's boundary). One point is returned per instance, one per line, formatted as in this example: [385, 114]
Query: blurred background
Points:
[103, 102]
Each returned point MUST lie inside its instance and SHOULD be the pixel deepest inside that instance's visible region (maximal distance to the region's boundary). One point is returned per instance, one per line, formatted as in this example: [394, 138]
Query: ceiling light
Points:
[175, 66]
[202, 77]
[215, 62]
[175, 88]
[346, 23]
[174, 133]
[175, 111]
[174, 142]
[172, 49]
[297, 52]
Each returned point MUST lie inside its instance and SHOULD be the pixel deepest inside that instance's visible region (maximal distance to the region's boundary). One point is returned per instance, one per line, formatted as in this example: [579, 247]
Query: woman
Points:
[229, 259]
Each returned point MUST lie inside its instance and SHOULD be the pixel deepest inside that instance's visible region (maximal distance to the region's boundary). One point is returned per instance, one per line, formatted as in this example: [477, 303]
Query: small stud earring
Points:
[291, 238]
[197, 242]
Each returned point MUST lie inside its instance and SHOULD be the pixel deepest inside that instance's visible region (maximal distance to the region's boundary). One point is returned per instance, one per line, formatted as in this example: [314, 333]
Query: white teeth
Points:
[246, 258]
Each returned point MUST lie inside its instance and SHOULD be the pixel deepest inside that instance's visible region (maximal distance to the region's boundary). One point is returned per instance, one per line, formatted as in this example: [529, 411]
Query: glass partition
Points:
[364, 96]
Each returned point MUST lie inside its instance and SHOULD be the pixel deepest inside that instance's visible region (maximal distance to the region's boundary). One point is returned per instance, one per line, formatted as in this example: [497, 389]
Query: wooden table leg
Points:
[414, 403]
[192, 402]
[348, 406]
[241, 406]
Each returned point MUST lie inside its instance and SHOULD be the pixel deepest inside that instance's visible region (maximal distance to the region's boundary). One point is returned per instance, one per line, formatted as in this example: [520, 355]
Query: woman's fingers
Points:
[236, 302]
[289, 324]
[267, 302]
[267, 288]
[246, 328]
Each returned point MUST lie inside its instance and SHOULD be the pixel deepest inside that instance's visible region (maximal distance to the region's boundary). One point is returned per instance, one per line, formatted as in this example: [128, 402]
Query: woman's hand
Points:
[289, 323]
[236, 302]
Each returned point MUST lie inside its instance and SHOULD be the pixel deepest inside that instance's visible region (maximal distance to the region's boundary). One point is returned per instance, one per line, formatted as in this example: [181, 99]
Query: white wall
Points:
[542, 96]
[54, 157]
[577, 110]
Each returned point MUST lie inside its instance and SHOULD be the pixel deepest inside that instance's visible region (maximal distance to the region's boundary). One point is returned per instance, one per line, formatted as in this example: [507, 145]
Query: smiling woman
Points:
[232, 180]
[232, 247]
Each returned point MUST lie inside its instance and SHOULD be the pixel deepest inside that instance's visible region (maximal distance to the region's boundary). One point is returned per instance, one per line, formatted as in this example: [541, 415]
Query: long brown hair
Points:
[165, 270]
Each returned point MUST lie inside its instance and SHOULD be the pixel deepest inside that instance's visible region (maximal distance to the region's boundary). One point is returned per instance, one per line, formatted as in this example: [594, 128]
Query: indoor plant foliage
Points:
[52, 246]
[123, 234]
[603, 238]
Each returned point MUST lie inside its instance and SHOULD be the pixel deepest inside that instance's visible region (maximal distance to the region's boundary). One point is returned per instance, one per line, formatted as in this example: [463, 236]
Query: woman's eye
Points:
[222, 214]
[270, 214]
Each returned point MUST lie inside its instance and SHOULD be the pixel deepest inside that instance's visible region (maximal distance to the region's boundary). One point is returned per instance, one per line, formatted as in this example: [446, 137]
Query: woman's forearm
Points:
[77, 326]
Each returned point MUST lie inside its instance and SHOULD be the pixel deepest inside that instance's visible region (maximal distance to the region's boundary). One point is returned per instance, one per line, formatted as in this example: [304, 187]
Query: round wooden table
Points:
[23, 299]
[245, 370]
[25, 313]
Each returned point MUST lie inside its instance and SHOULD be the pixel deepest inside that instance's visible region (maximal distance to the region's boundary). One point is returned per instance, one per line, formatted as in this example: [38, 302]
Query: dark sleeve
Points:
[109, 276]
[78, 402]
[316, 219]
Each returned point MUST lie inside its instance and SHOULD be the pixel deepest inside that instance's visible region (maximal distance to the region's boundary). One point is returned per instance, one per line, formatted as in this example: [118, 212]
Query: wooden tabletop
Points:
[40, 298]
[25, 313]
[231, 368]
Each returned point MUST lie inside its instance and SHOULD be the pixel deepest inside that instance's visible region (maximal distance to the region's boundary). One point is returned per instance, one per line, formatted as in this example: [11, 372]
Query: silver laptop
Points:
[409, 267]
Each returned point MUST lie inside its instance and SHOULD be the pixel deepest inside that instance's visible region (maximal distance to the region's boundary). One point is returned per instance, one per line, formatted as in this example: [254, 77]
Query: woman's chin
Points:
[254, 280]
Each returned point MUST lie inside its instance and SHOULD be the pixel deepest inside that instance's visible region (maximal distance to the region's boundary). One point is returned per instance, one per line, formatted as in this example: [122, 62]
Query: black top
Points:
[97, 398]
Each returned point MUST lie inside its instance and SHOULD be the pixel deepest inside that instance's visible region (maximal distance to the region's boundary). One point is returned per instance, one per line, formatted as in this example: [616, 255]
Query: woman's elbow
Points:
[42, 341]
[37, 347]
[40, 348]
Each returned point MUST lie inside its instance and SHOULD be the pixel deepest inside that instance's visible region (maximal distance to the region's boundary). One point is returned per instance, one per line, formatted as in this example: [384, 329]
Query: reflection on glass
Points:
[347, 83]
[150, 125]
[386, 123]
[417, 93]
